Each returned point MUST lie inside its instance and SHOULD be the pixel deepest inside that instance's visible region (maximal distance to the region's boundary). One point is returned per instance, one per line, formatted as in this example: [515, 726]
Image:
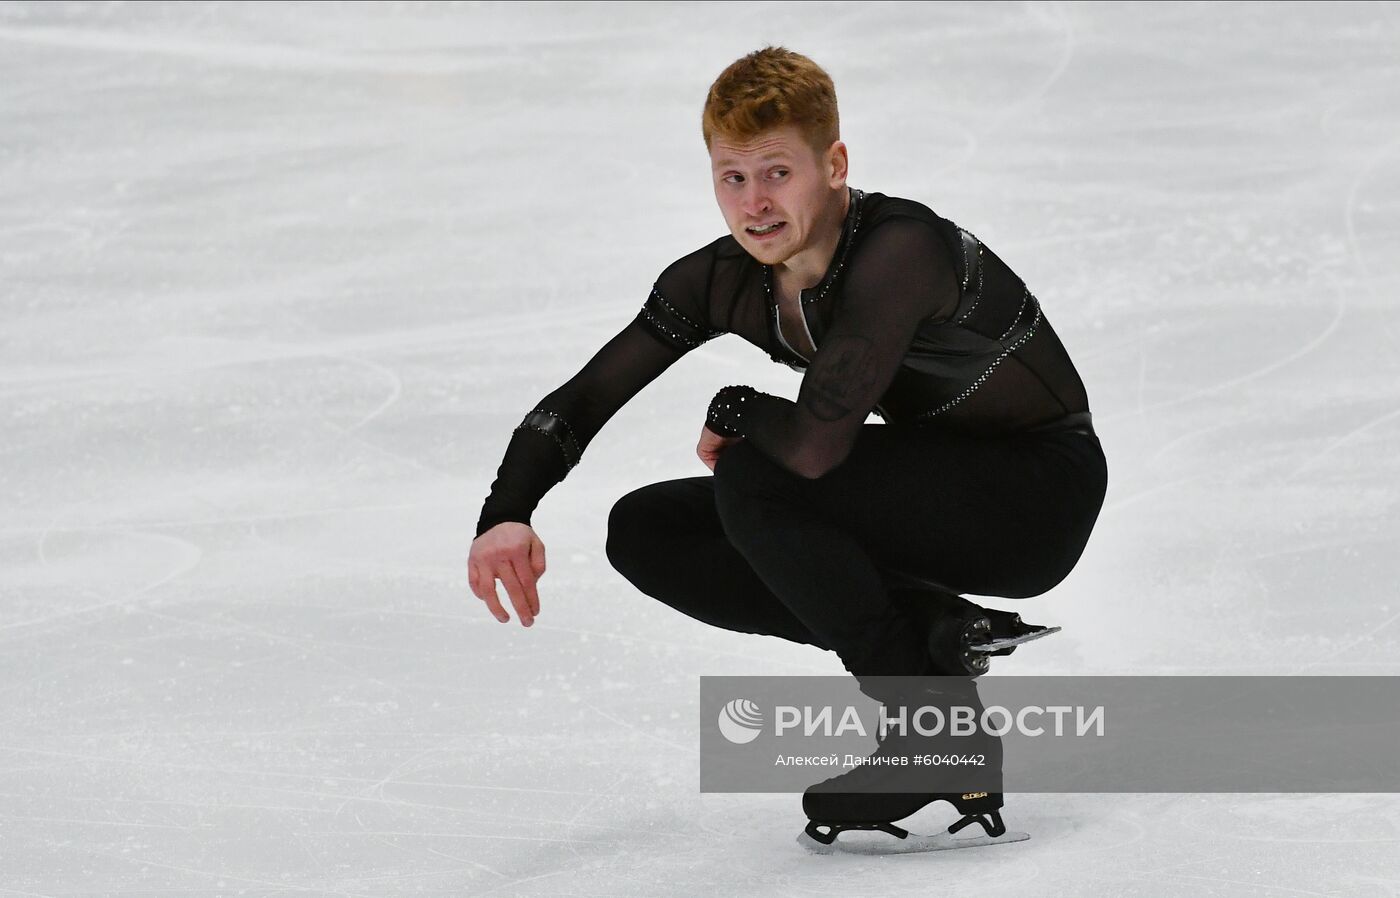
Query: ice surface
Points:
[278, 280]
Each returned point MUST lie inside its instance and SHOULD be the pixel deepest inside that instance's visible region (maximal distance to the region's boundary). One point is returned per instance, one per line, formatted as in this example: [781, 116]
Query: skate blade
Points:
[997, 645]
[913, 844]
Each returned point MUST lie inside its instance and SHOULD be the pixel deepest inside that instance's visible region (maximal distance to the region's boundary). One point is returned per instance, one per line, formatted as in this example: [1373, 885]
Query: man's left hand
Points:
[711, 445]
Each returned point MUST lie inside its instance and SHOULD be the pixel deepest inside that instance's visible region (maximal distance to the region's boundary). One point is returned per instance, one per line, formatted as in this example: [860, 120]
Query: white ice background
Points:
[277, 281]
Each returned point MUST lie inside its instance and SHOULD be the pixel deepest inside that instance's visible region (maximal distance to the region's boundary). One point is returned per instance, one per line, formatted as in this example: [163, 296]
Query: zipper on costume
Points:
[778, 329]
[802, 313]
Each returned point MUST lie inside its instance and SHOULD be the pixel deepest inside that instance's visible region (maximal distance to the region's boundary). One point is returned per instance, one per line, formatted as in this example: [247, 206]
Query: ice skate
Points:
[850, 801]
[879, 809]
[963, 635]
[952, 639]
[1007, 632]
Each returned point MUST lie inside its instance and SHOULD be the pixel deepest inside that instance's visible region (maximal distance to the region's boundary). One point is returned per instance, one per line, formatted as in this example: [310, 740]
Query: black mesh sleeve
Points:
[901, 273]
[552, 437]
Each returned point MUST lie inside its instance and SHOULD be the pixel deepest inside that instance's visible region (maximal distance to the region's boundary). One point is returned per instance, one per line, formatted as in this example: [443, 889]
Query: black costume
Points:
[986, 478]
[817, 527]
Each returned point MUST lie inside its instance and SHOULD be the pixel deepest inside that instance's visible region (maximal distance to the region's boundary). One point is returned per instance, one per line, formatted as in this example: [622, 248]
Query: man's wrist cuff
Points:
[726, 414]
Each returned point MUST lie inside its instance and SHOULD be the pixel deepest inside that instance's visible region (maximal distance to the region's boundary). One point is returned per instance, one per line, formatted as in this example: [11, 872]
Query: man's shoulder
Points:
[908, 224]
[702, 262]
[725, 247]
[879, 207]
[695, 283]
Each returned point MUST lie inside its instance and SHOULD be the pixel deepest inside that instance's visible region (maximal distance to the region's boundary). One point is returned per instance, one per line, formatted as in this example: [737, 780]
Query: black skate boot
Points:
[962, 634]
[952, 642]
[1009, 631]
[874, 795]
[878, 810]
[954, 626]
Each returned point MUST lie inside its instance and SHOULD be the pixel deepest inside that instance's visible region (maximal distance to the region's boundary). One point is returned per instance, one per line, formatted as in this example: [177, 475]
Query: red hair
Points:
[771, 88]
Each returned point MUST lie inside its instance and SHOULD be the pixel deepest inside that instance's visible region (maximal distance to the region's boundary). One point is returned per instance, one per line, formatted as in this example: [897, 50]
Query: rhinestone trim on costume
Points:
[982, 378]
[1026, 294]
[656, 291]
[858, 204]
[555, 427]
[962, 244]
[687, 341]
[845, 251]
[726, 411]
[981, 275]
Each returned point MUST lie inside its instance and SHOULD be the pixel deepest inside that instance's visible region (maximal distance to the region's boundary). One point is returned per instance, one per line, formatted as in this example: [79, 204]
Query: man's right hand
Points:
[511, 553]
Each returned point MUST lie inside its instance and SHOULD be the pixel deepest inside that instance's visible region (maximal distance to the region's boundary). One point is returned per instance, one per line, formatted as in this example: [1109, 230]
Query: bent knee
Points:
[740, 467]
[628, 523]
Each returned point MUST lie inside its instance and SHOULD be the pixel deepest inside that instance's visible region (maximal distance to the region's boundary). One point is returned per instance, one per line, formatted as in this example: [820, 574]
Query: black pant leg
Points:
[666, 538]
[757, 549]
[988, 516]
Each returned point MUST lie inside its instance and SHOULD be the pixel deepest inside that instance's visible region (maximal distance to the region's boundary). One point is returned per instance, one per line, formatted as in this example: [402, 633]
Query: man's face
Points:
[775, 178]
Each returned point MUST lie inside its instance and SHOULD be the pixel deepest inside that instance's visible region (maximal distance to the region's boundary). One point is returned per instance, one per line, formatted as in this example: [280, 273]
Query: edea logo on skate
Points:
[740, 721]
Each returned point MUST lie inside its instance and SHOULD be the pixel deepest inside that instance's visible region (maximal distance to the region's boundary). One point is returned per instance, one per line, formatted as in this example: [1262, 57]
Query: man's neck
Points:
[807, 268]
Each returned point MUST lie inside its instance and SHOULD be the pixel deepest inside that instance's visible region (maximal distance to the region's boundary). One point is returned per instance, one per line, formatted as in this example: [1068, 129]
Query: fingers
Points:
[526, 574]
[511, 581]
[517, 563]
[537, 557]
[493, 601]
[537, 565]
[711, 446]
[485, 589]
